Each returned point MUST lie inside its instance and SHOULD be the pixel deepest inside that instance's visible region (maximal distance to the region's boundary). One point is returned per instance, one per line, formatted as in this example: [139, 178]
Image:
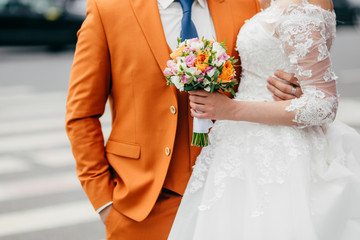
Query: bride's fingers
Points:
[198, 107]
[198, 115]
[199, 93]
[280, 89]
[289, 77]
[279, 94]
[197, 99]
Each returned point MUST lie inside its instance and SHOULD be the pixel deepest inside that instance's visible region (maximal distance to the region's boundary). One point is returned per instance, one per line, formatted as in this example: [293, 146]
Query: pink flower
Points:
[223, 57]
[190, 60]
[170, 64]
[187, 49]
[208, 69]
[184, 79]
[171, 67]
[167, 71]
[201, 78]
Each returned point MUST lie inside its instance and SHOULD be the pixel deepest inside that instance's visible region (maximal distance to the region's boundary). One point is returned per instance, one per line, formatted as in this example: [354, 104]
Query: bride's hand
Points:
[284, 90]
[215, 106]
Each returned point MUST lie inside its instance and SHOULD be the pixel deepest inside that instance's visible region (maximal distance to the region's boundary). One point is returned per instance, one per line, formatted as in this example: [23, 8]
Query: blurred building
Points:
[55, 22]
[347, 12]
[33, 22]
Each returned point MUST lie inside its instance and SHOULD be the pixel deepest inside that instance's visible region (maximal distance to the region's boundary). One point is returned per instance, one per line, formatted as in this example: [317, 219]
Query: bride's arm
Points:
[304, 37]
[217, 106]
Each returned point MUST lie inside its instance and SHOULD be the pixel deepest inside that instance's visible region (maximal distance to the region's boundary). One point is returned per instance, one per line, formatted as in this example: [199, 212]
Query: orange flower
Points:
[227, 72]
[201, 60]
[177, 52]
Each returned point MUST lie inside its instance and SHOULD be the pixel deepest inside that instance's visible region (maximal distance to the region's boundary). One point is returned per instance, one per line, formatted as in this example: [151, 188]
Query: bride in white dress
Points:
[276, 170]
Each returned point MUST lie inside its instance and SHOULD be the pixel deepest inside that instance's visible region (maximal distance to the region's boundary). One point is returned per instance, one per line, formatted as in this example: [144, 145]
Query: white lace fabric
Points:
[257, 181]
[307, 32]
[294, 37]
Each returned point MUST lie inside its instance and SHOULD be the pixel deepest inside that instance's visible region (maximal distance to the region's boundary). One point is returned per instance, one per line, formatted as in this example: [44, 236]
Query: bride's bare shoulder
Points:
[325, 4]
[264, 3]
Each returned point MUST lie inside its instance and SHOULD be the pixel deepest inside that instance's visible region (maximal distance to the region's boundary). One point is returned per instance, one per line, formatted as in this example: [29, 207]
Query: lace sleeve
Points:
[306, 35]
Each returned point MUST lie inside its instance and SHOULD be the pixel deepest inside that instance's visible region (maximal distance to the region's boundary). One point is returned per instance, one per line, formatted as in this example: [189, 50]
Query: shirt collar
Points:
[166, 3]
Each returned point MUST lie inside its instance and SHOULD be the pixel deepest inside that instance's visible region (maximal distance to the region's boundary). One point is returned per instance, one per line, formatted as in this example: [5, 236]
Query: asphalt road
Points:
[40, 196]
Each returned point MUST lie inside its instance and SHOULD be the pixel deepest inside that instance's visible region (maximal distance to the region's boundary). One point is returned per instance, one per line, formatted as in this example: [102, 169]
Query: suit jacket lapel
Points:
[220, 11]
[148, 16]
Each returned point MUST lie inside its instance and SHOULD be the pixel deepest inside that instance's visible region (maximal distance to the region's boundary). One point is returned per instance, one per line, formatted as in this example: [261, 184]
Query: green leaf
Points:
[216, 76]
[223, 45]
[233, 61]
[178, 42]
[188, 88]
[221, 68]
[191, 79]
[212, 88]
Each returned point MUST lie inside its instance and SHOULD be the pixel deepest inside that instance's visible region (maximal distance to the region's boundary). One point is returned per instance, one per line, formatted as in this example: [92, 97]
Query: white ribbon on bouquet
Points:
[202, 125]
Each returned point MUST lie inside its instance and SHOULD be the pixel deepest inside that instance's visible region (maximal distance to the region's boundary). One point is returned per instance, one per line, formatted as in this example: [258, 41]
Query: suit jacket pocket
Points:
[130, 150]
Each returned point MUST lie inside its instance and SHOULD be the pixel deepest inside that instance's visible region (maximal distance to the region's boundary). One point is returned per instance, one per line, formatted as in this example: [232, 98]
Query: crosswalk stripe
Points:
[38, 186]
[47, 218]
[59, 157]
[33, 141]
[11, 164]
[28, 125]
[28, 97]
[37, 124]
[36, 110]
[7, 91]
[38, 141]
[349, 111]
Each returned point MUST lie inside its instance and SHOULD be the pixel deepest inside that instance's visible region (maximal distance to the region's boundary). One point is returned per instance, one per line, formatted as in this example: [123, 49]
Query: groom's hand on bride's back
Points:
[284, 90]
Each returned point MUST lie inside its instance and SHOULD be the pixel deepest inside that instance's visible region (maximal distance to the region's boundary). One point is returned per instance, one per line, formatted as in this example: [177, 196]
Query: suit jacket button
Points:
[167, 151]
[172, 109]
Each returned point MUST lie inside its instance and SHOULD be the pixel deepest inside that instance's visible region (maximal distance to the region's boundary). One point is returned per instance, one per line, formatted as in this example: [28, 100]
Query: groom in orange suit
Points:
[135, 180]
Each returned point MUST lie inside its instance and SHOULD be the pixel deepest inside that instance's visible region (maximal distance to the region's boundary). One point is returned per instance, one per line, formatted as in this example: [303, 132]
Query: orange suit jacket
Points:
[120, 55]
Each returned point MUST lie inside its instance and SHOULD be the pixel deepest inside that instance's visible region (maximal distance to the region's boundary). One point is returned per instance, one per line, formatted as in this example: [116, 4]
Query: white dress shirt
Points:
[171, 14]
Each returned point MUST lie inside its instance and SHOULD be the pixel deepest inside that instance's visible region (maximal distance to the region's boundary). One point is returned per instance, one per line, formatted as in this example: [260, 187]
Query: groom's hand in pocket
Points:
[104, 213]
[282, 85]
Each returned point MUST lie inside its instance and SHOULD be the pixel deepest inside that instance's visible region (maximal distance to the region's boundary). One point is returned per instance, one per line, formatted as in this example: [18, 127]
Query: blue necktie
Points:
[188, 29]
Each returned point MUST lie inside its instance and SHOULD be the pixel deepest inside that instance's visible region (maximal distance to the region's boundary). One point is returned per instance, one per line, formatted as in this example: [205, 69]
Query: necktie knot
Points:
[186, 5]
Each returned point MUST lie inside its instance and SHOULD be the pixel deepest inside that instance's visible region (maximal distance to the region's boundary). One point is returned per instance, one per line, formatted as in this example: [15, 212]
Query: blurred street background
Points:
[40, 196]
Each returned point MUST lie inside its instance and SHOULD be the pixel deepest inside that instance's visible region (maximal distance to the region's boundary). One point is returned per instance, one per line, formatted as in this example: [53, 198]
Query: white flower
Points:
[207, 89]
[218, 49]
[181, 62]
[218, 63]
[194, 71]
[206, 82]
[211, 72]
[177, 82]
[196, 45]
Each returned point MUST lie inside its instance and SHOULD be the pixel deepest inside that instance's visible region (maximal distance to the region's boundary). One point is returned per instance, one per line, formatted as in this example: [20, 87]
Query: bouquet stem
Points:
[200, 139]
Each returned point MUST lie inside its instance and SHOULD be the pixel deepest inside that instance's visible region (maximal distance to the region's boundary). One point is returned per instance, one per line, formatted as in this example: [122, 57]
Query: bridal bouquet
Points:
[201, 64]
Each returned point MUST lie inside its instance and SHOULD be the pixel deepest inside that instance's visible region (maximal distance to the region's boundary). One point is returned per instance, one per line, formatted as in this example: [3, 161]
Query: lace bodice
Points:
[294, 36]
